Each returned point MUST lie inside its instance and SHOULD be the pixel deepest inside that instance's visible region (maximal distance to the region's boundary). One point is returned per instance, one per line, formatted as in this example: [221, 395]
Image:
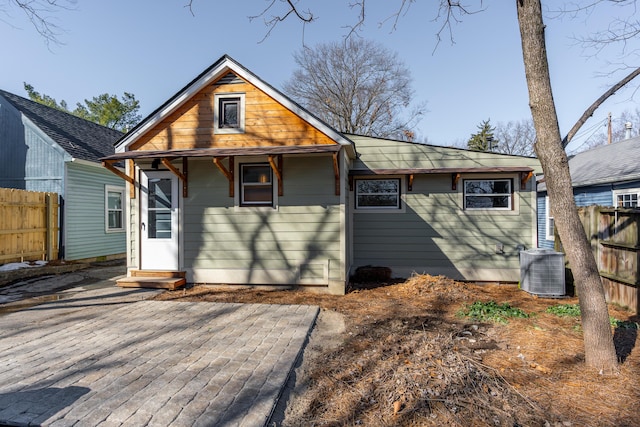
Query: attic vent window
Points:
[229, 113]
[229, 109]
[229, 79]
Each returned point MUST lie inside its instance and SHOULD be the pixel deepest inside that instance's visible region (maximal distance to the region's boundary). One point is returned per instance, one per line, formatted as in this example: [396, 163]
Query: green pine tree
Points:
[106, 110]
[483, 140]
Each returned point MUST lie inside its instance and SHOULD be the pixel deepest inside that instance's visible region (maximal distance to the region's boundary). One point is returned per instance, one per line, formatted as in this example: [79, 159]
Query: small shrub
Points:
[623, 324]
[492, 311]
[565, 310]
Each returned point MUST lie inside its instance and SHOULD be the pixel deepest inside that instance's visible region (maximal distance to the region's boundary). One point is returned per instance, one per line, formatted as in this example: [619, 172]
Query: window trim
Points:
[549, 234]
[399, 204]
[511, 194]
[623, 192]
[114, 189]
[217, 98]
[241, 185]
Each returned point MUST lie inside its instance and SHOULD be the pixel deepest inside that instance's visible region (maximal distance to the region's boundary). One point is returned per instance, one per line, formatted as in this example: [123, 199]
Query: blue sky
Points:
[153, 51]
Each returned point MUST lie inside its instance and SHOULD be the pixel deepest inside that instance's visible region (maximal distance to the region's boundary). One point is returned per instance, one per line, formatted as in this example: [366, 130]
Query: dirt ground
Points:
[401, 355]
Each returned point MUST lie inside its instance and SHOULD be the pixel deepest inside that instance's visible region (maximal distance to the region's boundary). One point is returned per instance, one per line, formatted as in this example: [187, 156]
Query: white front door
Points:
[159, 221]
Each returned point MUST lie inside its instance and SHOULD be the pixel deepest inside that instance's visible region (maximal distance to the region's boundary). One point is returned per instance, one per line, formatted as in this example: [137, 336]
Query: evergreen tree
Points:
[106, 110]
[483, 140]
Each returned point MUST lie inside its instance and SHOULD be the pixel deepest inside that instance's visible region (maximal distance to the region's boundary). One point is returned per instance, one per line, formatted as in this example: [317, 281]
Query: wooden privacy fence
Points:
[615, 241]
[28, 225]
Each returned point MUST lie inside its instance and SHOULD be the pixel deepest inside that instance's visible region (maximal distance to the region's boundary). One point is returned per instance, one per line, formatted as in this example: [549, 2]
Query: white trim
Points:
[123, 198]
[548, 233]
[224, 65]
[510, 194]
[625, 191]
[216, 113]
[379, 209]
[515, 193]
[237, 205]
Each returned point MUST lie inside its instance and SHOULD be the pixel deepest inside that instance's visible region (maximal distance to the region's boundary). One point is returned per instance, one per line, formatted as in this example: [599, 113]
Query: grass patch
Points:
[565, 310]
[492, 311]
[623, 324]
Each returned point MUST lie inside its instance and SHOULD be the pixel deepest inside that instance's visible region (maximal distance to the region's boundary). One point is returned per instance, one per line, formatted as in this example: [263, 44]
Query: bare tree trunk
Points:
[598, 341]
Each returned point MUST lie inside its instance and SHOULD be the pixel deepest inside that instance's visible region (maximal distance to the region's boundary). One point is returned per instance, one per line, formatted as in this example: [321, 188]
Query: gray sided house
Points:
[608, 175]
[231, 182]
[44, 149]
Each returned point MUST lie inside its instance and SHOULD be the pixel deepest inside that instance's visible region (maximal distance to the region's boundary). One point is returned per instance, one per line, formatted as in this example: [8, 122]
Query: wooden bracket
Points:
[336, 172]
[226, 172]
[167, 163]
[524, 178]
[108, 165]
[455, 177]
[277, 169]
[410, 182]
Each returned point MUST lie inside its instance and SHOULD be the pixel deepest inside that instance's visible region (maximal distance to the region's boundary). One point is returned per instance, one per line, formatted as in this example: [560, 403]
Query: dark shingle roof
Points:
[606, 164]
[80, 138]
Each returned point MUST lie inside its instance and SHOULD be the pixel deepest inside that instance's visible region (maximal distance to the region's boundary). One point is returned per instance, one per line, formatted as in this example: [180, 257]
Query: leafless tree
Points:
[599, 349]
[516, 137]
[600, 352]
[40, 13]
[357, 86]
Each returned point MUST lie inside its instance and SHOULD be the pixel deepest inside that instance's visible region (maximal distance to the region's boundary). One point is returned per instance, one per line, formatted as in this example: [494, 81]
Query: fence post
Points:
[51, 226]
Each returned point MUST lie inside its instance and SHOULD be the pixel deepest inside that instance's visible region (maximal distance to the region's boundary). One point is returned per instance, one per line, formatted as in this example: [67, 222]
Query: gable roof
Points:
[606, 164]
[220, 68]
[80, 138]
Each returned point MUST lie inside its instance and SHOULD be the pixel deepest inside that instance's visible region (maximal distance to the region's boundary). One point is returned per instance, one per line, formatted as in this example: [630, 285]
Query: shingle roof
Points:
[605, 164]
[617, 162]
[80, 138]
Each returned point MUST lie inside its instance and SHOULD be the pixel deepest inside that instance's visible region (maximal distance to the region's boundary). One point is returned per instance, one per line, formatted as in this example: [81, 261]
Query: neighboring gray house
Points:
[608, 175]
[44, 149]
[234, 183]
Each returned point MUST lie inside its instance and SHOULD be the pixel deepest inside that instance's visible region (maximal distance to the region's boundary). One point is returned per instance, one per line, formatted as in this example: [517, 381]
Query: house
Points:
[231, 182]
[44, 149]
[607, 175]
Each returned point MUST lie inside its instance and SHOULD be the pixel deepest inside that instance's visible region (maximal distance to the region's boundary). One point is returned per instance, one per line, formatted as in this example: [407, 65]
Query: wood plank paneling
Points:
[267, 123]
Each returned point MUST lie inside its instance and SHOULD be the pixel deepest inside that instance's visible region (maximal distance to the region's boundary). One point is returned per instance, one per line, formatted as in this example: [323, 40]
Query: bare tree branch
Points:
[592, 108]
[39, 12]
[272, 22]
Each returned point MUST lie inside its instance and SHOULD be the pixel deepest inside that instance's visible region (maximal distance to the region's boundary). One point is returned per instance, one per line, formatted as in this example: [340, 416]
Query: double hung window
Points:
[114, 208]
[256, 184]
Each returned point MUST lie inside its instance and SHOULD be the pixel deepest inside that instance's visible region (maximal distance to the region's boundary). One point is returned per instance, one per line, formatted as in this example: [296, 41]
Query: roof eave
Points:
[219, 68]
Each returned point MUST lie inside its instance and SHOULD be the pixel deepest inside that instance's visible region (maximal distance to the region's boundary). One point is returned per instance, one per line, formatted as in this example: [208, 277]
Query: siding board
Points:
[433, 233]
[85, 235]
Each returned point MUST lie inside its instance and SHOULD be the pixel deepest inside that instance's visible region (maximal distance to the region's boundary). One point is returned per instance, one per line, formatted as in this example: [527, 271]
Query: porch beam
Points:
[524, 178]
[410, 182]
[277, 169]
[336, 172]
[108, 164]
[455, 177]
[226, 172]
[167, 163]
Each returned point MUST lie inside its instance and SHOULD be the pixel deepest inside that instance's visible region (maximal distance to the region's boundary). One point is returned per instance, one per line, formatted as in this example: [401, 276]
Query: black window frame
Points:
[496, 195]
[398, 194]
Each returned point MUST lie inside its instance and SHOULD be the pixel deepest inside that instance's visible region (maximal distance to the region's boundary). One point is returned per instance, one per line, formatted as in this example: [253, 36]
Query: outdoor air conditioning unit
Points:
[542, 272]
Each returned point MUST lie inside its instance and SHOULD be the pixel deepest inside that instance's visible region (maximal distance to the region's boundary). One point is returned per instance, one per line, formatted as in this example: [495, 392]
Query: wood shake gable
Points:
[296, 238]
[267, 123]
